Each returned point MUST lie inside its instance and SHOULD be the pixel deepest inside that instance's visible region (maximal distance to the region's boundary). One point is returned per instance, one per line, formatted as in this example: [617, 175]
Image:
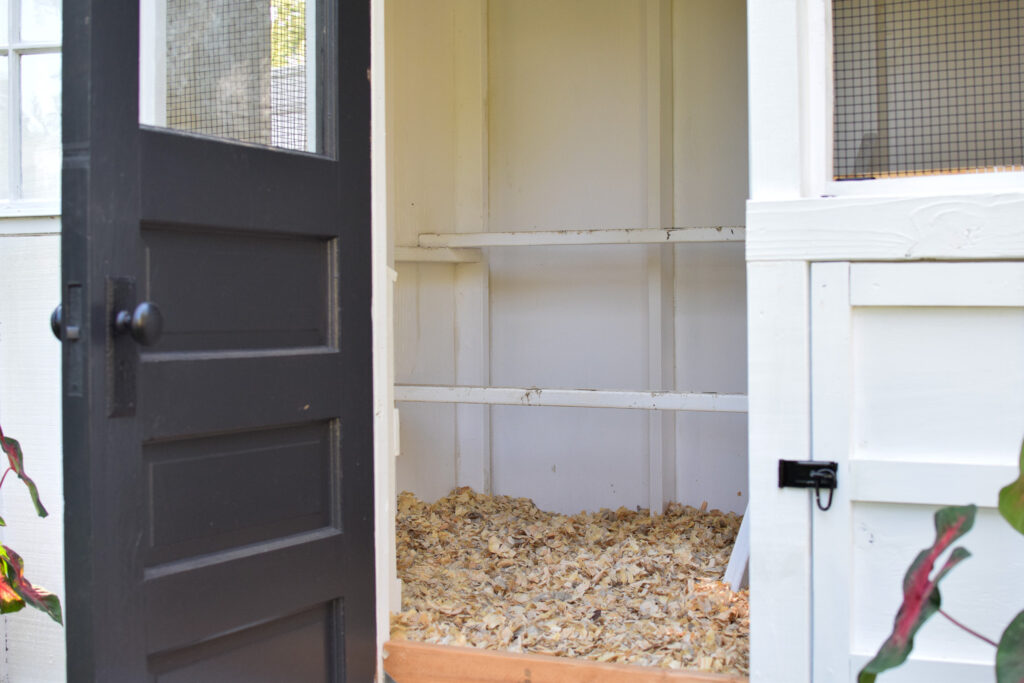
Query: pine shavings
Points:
[612, 586]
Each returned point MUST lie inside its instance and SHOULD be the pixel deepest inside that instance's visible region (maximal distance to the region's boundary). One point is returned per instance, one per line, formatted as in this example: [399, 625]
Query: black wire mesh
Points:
[927, 86]
[236, 69]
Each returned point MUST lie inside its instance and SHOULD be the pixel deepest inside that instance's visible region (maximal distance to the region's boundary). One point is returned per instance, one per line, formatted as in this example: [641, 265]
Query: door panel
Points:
[917, 393]
[219, 480]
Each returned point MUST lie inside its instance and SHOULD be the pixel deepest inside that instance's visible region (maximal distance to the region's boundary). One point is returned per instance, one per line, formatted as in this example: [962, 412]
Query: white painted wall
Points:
[596, 114]
[30, 412]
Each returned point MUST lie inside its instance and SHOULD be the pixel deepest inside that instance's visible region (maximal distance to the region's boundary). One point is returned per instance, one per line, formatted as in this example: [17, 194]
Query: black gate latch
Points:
[810, 474]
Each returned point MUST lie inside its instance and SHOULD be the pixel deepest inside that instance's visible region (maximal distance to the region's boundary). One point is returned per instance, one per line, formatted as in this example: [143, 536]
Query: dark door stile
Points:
[218, 485]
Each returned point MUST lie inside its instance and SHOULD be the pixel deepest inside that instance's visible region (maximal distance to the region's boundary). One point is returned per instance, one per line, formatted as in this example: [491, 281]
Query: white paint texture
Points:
[30, 412]
[575, 139]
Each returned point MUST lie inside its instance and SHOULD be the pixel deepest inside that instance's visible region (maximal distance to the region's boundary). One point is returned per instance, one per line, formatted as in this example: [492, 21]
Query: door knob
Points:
[145, 324]
[57, 323]
[55, 320]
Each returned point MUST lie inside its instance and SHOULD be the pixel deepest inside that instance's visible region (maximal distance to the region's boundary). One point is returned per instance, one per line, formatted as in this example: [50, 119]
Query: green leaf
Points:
[16, 591]
[17, 462]
[1011, 499]
[921, 597]
[1010, 655]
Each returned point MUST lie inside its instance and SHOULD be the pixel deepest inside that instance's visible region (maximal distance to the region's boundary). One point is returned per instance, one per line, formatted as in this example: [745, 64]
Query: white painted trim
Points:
[312, 70]
[832, 532]
[19, 226]
[153, 62]
[981, 226]
[571, 237]
[388, 590]
[30, 209]
[573, 398]
[776, 111]
[437, 255]
[886, 481]
[937, 284]
[930, 670]
[780, 424]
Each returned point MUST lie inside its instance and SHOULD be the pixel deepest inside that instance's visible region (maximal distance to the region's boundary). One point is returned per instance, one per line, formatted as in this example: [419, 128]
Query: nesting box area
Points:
[565, 200]
[611, 586]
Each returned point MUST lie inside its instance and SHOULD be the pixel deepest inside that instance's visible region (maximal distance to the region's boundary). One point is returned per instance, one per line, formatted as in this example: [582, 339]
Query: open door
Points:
[217, 344]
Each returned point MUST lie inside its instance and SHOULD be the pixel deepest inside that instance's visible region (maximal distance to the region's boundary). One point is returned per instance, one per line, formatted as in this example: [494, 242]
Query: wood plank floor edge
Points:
[412, 662]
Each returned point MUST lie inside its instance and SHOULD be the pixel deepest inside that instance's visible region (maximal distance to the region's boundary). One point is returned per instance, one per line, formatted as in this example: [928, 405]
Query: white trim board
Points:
[570, 237]
[982, 226]
[573, 398]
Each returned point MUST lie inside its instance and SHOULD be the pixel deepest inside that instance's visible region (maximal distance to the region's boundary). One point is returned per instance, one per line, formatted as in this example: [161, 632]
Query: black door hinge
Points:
[810, 474]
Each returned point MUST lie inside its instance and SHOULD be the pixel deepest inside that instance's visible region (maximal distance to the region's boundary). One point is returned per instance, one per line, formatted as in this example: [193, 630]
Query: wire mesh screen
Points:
[927, 86]
[236, 69]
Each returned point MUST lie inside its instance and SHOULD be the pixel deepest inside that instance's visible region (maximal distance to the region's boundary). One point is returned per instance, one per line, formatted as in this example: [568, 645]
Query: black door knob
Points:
[145, 324]
[55, 320]
[72, 333]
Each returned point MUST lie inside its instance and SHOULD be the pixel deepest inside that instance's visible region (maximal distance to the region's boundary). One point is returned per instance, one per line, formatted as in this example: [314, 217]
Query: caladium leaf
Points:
[1010, 655]
[1011, 499]
[16, 591]
[17, 462]
[921, 597]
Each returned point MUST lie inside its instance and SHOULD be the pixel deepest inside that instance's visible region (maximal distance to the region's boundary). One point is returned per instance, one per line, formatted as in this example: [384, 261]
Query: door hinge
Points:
[810, 474]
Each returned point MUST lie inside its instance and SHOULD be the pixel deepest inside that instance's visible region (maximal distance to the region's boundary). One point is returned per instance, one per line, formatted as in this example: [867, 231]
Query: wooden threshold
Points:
[411, 662]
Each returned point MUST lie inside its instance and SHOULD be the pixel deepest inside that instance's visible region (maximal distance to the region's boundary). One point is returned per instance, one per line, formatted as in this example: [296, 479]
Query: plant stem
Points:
[6, 472]
[957, 623]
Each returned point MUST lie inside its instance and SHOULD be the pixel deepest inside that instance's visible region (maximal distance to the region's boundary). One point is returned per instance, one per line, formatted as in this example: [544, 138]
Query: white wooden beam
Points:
[571, 237]
[436, 255]
[947, 227]
[573, 398]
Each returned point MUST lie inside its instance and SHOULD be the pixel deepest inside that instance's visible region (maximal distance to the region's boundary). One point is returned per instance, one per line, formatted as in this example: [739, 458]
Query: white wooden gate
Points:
[917, 383]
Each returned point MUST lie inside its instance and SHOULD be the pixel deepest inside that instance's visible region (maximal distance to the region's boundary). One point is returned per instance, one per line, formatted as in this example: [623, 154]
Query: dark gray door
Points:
[218, 471]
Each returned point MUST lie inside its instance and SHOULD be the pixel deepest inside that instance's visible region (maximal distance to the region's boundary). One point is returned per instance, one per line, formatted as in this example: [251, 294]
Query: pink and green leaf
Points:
[1011, 499]
[17, 463]
[921, 598]
[1010, 654]
[16, 591]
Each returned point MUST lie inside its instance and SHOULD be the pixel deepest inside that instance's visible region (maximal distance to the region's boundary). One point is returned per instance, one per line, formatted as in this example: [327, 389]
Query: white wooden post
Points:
[780, 541]
[661, 258]
[472, 294]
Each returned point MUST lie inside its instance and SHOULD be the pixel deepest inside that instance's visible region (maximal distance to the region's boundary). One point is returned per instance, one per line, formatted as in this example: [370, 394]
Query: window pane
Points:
[4, 37]
[928, 86]
[235, 69]
[40, 21]
[5, 149]
[40, 126]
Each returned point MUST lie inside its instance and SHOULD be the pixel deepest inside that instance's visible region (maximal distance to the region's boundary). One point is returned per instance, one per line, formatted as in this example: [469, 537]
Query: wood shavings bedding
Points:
[613, 586]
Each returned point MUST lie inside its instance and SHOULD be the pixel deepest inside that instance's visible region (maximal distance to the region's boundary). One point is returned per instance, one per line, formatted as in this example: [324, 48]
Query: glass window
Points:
[40, 21]
[927, 86]
[30, 87]
[40, 126]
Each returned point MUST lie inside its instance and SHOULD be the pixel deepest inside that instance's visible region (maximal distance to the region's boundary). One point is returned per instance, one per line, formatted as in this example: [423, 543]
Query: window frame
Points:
[819, 126]
[14, 48]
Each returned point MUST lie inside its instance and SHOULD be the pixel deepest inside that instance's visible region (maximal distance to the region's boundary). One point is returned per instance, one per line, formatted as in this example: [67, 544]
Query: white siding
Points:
[30, 412]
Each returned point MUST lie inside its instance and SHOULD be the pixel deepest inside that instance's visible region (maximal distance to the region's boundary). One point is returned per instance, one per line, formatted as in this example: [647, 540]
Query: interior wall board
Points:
[710, 74]
[422, 194]
[710, 172]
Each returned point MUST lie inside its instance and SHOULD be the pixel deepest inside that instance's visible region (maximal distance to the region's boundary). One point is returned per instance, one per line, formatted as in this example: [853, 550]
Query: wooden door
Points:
[218, 472]
[918, 393]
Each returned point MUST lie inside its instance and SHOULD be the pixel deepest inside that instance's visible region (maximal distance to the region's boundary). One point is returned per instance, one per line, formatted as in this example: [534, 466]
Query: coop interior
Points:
[565, 196]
